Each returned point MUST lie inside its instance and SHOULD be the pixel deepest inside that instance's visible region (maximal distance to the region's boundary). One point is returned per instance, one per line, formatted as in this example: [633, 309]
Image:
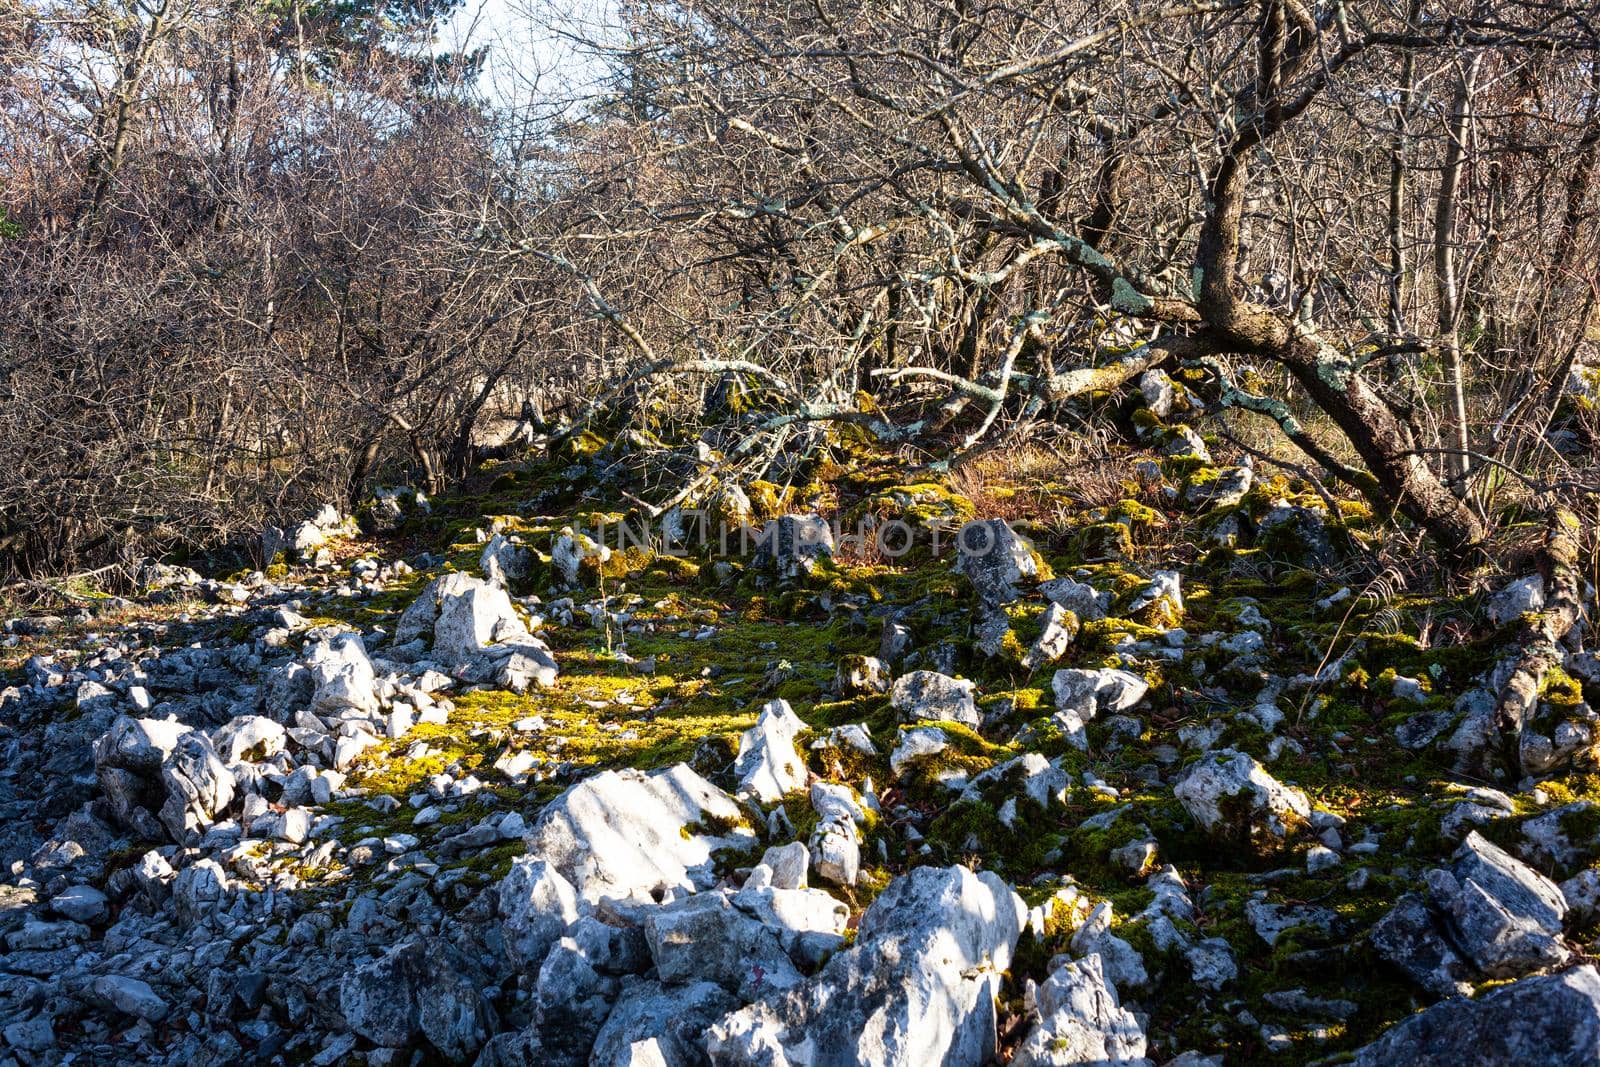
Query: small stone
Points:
[792, 545]
[80, 903]
[789, 864]
[572, 552]
[1320, 858]
[1123, 964]
[1158, 391]
[1409, 689]
[915, 744]
[131, 997]
[1271, 921]
[861, 675]
[1211, 962]
[1521, 597]
[295, 825]
[1421, 729]
[1060, 629]
[1161, 602]
[837, 851]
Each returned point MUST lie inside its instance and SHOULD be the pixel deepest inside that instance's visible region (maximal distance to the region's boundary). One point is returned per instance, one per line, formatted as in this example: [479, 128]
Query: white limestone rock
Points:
[505, 561]
[1080, 598]
[995, 559]
[571, 550]
[918, 986]
[536, 905]
[705, 938]
[923, 696]
[792, 546]
[1089, 692]
[421, 989]
[768, 764]
[1233, 797]
[1515, 599]
[626, 835]
[1081, 1022]
[809, 923]
[473, 619]
[343, 676]
[253, 737]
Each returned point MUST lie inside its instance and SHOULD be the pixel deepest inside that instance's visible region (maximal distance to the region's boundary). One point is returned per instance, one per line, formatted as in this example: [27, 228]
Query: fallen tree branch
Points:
[1538, 637]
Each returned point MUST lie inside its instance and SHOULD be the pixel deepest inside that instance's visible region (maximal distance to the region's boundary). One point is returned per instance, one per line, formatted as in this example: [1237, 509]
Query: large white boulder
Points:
[1029, 775]
[198, 787]
[473, 619]
[536, 905]
[522, 665]
[809, 923]
[417, 621]
[1233, 797]
[1081, 1021]
[477, 633]
[421, 989]
[626, 835]
[928, 696]
[127, 760]
[343, 676]
[1506, 916]
[138, 745]
[704, 938]
[1552, 1020]
[768, 764]
[917, 988]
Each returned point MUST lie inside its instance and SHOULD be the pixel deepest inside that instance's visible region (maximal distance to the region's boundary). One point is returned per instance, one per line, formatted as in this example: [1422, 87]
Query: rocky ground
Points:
[1161, 770]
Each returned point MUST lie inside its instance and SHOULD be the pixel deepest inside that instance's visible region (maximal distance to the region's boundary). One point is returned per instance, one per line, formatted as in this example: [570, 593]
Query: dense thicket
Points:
[236, 278]
[257, 255]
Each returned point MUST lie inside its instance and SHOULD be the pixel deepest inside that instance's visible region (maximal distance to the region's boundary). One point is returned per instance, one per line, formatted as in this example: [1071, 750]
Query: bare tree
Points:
[256, 257]
[239, 280]
[1012, 208]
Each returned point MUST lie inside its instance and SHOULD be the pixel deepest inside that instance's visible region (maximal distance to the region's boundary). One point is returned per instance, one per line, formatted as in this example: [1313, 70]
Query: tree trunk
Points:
[1445, 274]
[1399, 152]
[1402, 478]
[112, 129]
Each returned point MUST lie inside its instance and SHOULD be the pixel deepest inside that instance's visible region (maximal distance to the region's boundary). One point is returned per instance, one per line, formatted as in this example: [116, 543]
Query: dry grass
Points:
[1032, 482]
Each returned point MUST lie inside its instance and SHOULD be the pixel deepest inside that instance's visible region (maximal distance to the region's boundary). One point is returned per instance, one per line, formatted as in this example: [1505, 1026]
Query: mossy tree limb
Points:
[1537, 639]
